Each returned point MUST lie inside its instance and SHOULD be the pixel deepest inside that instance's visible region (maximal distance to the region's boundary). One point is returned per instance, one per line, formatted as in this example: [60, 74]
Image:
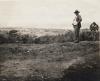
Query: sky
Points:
[47, 13]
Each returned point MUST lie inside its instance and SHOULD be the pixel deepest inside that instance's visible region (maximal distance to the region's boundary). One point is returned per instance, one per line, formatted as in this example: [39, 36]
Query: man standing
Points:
[77, 25]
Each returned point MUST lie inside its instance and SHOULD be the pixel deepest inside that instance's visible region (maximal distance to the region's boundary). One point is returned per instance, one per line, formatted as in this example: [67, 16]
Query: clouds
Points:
[30, 12]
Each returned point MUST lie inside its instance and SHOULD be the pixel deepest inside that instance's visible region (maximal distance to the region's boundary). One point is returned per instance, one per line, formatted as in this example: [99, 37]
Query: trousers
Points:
[76, 32]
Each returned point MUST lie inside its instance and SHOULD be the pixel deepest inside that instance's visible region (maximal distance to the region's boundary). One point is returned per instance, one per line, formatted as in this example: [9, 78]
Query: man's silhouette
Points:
[77, 25]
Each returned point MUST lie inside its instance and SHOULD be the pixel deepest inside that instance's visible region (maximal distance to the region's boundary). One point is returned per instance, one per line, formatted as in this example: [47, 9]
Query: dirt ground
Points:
[50, 62]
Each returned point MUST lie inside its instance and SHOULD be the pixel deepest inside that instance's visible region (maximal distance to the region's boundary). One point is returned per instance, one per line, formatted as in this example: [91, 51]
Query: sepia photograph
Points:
[49, 40]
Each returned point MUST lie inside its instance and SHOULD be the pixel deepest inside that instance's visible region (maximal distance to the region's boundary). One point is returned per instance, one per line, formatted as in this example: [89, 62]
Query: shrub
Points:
[85, 35]
[3, 38]
[13, 36]
[28, 39]
[68, 36]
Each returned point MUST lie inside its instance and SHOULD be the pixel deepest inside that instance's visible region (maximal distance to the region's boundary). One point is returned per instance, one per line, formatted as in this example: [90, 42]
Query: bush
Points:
[87, 35]
[3, 38]
[28, 39]
[13, 36]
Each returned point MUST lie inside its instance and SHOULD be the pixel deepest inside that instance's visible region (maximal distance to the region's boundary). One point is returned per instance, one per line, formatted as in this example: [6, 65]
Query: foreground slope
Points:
[50, 62]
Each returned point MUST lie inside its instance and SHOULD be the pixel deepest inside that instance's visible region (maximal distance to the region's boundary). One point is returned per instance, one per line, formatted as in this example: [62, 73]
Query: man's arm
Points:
[79, 19]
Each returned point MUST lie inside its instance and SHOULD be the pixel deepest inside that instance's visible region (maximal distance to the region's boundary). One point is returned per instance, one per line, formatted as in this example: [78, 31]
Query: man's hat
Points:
[76, 11]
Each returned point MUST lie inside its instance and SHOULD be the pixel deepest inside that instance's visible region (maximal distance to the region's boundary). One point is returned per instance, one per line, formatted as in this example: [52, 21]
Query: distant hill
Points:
[36, 31]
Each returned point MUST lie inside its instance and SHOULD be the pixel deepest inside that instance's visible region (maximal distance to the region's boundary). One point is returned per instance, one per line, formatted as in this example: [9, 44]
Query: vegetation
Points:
[25, 57]
[50, 62]
[14, 36]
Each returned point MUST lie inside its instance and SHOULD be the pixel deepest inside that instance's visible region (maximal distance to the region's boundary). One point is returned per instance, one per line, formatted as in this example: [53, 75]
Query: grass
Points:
[13, 36]
[50, 62]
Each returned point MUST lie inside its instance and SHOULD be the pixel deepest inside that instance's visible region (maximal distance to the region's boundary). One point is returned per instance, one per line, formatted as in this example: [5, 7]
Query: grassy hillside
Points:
[50, 62]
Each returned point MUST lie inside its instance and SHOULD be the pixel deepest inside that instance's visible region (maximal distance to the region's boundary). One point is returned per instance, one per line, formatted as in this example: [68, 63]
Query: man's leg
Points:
[75, 33]
[77, 30]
